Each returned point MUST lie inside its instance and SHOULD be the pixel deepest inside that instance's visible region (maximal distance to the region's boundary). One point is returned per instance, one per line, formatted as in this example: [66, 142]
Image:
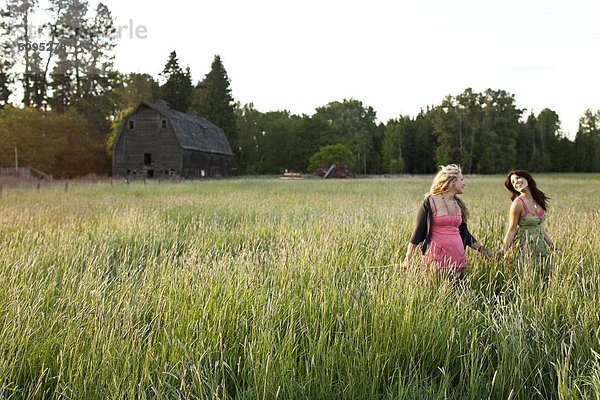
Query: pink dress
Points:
[446, 249]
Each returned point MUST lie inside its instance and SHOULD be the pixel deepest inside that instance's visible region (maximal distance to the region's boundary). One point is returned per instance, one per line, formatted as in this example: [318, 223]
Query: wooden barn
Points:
[156, 141]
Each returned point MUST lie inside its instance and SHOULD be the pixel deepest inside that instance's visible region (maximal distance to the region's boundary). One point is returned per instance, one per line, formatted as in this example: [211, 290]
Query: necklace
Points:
[453, 214]
[535, 206]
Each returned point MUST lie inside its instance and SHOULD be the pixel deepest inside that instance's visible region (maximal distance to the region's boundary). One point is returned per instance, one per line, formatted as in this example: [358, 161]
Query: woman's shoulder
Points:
[517, 204]
[518, 200]
[431, 200]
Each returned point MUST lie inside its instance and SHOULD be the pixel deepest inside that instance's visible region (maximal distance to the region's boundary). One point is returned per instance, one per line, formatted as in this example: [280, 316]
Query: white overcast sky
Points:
[395, 56]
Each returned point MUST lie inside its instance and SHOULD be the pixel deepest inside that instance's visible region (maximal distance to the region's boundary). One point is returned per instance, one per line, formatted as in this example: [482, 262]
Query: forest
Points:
[62, 101]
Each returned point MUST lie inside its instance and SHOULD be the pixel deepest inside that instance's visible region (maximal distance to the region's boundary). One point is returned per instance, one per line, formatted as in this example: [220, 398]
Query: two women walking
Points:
[441, 227]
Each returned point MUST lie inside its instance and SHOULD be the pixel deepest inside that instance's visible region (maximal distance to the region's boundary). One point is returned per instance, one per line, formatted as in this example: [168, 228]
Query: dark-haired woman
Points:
[526, 237]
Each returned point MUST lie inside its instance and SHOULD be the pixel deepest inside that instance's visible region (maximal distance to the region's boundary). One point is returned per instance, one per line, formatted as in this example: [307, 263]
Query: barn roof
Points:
[193, 131]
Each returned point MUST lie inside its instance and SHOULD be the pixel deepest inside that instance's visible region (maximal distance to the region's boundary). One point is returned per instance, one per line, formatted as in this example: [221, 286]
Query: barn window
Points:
[163, 123]
[131, 124]
[147, 159]
[172, 171]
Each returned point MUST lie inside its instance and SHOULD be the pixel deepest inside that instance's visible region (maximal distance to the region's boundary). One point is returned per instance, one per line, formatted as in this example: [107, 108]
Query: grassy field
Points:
[266, 288]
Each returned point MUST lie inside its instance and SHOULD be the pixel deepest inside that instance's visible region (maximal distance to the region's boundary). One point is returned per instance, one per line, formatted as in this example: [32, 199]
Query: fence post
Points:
[66, 186]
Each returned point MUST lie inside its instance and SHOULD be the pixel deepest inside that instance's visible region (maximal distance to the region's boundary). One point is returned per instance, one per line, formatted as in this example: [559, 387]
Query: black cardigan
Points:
[422, 232]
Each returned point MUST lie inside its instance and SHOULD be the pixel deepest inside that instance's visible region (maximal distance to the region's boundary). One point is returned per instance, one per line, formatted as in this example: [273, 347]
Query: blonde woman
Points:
[441, 227]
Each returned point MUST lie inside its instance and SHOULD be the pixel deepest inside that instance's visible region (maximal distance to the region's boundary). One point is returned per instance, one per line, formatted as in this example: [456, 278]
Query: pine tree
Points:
[18, 33]
[4, 89]
[213, 100]
[6, 59]
[587, 143]
[529, 156]
[424, 142]
[84, 45]
[395, 131]
[547, 136]
[37, 82]
[177, 89]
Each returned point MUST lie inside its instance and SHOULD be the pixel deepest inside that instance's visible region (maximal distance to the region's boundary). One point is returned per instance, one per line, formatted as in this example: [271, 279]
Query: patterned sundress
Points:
[529, 245]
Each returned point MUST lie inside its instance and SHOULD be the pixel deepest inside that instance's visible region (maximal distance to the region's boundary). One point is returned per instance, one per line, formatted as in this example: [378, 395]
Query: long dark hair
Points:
[539, 196]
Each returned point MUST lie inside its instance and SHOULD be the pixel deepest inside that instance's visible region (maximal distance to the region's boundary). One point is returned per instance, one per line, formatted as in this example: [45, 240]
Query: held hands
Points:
[491, 254]
[487, 253]
[499, 254]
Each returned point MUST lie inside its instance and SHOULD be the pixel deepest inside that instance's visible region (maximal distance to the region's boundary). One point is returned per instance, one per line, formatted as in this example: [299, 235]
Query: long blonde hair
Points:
[444, 179]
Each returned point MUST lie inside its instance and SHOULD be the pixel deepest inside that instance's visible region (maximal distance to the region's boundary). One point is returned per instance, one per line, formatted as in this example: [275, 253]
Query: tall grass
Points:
[264, 289]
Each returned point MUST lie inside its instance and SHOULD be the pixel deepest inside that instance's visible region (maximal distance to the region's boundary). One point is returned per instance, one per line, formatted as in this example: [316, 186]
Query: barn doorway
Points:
[150, 173]
[147, 159]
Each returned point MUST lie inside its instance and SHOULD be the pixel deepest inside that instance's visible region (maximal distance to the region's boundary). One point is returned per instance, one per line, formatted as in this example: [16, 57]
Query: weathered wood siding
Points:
[149, 146]
[197, 164]
[147, 137]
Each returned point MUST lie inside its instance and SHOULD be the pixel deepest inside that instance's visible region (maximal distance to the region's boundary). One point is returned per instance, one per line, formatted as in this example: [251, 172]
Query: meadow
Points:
[289, 289]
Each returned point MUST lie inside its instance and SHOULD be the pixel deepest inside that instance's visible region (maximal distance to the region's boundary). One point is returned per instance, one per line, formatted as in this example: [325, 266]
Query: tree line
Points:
[61, 105]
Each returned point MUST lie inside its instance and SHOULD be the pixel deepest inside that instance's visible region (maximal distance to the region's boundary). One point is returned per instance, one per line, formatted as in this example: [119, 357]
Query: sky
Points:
[395, 56]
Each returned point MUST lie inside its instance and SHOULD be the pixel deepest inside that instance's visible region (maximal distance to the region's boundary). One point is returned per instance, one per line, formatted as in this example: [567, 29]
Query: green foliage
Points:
[177, 89]
[528, 153]
[395, 133]
[135, 88]
[409, 145]
[36, 83]
[424, 144]
[75, 63]
[564, 158]
[83, 42]
[541, 146]
[7, 58]
[338, 154]
[17, 17]
[275, 141]
[547, 129]
[213, 100]
[58, 144]
[4, 87]
[98, 111]
[281, 142]
[354, 124]
[114, 131]
[478, 131]
[247, 152]
[587, 143]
